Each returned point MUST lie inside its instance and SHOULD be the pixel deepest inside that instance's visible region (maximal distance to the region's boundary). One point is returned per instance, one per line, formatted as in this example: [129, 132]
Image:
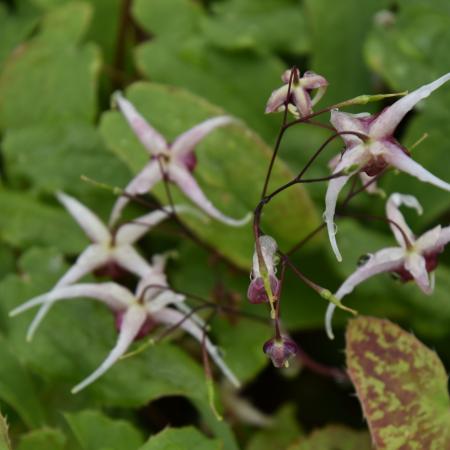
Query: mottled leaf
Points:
[95, 431]
[232, 163]
[401, 384]
[186, 438]
[43, 439]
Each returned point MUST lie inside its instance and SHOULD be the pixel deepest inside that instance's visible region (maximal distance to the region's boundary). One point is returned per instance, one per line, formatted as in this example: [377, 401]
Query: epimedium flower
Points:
[414, 258]
[257, 290]
[110, 249]
[280, 350]
[137, 314]
[300, 102]
[373, 148]
[175, 161]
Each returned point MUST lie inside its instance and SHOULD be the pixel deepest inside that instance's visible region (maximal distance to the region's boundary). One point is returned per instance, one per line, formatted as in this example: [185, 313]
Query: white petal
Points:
[354, 157]
[386, 123]
[89, 260]
[187, 183]
[382, 261]
[133, 320]
[430, 240]
[128, 258]
[348, 122]
[302, 101]
[164, 299]
[186, 142]
[112, 294]
[393, 213]
[153, 141]
[131, 232]
[397, 158]
[416, 265]
[444, 238]
[140, 184]
[269, 249]
[172, 317]
[87, 220]
[277, 99]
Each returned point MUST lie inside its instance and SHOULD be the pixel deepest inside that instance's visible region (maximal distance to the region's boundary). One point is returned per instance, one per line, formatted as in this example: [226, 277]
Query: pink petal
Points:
[140, 184]
[132, 322]
[386, 123]
[172, 317]
[444, 238]
[310, 80]
[277, 99]
[349, 122]
[153, 141]
[382, 261]
[186, 142]
[393, 213]
[88, 221]
[397, 158]
[430, 240]
[302, 101]
[416, 265]
[187, 183]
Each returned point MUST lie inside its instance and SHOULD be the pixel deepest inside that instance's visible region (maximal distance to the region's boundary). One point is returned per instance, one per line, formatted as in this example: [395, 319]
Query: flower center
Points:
[145, 329]
[431, 262]
[375, 165]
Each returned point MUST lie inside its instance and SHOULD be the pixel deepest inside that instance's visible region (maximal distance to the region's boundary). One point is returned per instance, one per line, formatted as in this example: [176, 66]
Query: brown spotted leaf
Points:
[401, 384]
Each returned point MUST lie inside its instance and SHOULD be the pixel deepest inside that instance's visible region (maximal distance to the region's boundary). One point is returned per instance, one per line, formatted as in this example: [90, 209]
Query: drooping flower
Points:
[414, 258]
[280, 351]
[257, 290]
[300, 102]
[136, 315]
[377, 150]
[176, 160]
[112, 250]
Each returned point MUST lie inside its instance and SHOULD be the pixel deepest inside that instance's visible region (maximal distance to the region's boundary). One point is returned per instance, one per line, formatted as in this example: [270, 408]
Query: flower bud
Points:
[257, 292]
[280, 351]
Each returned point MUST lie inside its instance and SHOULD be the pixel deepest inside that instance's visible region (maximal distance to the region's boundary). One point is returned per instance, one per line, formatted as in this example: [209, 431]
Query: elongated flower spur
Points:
[175, 161]
[377, 150]
[136, 315]
[414, 258]
[299, 102]
[110, 250]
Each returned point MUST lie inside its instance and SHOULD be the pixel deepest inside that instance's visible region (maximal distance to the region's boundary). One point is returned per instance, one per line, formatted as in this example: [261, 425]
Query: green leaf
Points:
[337, 40]
[401, 384]
[52, 79]
[186, 438]
[16, 388]
[232, 163]
[25, 221]
[280, 433]
[5, 444]
[95, 431]
[408, 51]
[263, 26]
[334, 437]
[43, 439]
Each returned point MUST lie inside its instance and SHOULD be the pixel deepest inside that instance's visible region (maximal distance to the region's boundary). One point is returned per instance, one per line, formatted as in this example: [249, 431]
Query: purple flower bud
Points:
[146, 328]
[280, 351]
[256, 292]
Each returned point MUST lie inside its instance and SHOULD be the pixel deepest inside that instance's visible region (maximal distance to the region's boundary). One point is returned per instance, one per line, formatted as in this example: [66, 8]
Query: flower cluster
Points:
[112, 250]
[370, 149]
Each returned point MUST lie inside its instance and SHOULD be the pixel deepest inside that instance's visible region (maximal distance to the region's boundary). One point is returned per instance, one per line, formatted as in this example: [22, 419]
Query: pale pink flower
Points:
[299, 101]
[177, 160]
[136, 315]
[377, 150]
[109, 249]
[414, 258]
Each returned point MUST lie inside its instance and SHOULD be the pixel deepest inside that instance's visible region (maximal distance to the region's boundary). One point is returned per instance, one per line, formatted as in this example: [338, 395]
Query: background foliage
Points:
[184, 60]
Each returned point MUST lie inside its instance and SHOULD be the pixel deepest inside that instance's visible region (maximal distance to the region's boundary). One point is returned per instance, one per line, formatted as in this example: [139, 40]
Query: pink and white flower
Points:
[176, 161]
[300, 102]
[136, 314]
[413, 259]
[112, 250]
[377, 150]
